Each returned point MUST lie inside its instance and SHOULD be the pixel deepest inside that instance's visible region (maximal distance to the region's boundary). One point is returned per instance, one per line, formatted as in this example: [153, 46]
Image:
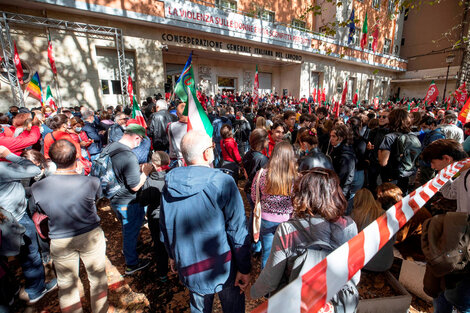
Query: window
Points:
[354, 40]
[383, 90]
[403, 41]
[267, 16]
[396, 50]
[227, 83]
[369, 89]
[391, 6]
[407, 11]
[322, 29]
[105, 86]
[376, 4]
[227, 4]
[116, 84]
[387, 45]
[298, 24]
[351, 88]
[369, 43]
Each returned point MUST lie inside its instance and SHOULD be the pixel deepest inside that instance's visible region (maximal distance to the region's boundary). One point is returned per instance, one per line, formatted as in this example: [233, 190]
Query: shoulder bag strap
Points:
[257, 186]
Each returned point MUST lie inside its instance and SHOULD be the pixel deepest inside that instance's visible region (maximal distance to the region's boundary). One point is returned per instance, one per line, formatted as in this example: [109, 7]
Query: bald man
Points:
[202, 220]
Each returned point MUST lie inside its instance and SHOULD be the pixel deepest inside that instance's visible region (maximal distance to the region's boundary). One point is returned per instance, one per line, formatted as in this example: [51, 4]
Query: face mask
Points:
[78, 129]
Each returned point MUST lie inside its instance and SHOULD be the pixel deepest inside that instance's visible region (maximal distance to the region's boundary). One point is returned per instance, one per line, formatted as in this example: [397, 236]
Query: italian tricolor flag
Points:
[186, 91]
[137, 113]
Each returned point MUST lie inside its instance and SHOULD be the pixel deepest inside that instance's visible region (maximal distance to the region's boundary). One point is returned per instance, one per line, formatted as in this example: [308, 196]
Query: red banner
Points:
[19, 68]
[130, 89]
[50, 54]
[463, 116]
[432, 93]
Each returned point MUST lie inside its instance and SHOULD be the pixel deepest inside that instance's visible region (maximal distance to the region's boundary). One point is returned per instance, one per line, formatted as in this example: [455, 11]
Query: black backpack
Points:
[408, 149]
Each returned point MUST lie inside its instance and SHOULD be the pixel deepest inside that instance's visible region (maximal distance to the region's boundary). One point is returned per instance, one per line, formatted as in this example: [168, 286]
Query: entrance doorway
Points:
[226, 84]
[173, 72]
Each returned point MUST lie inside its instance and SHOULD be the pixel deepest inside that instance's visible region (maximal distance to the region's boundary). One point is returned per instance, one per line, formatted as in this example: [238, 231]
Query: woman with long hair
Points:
[275, 187]
[317, 229]
[366, 210]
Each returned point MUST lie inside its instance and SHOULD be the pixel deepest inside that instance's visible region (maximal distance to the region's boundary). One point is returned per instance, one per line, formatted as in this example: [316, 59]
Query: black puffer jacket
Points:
[315, 158]
[344, 163]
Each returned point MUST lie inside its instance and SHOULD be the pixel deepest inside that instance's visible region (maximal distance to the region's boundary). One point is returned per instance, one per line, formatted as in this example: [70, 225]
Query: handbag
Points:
[41, 222]
[257, 211]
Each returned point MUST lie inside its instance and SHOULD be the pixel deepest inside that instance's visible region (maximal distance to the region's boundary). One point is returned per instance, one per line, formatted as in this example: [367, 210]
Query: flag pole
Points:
[25, 95]
[57, 89]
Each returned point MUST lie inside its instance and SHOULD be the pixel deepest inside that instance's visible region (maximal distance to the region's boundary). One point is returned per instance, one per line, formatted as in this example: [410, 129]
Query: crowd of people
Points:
[313, 176]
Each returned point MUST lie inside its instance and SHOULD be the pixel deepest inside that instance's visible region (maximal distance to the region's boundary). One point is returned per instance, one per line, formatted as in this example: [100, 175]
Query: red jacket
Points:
[48, 141]
[230, 150]
[17, 144]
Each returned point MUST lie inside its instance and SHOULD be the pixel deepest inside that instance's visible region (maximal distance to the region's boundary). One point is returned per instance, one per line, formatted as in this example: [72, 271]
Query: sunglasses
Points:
[383, 116]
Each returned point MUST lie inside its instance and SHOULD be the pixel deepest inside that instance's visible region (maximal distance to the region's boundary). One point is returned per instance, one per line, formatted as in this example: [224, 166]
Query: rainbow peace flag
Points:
[34, 87]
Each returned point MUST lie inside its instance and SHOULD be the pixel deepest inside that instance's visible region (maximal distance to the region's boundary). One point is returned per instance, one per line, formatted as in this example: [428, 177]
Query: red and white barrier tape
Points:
[311, 291]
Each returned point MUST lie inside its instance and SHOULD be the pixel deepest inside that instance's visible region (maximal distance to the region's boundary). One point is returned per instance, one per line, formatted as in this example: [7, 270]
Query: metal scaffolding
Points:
[35, 21]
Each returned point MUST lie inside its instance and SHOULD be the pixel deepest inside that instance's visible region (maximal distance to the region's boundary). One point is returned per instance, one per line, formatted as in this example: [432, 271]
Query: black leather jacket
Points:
[315, 158]
[157, 128]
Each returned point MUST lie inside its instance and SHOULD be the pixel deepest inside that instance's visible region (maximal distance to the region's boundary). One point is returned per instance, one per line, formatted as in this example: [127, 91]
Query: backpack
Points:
[445, 242]
[407, 153]
[346, 299]
[103, 169]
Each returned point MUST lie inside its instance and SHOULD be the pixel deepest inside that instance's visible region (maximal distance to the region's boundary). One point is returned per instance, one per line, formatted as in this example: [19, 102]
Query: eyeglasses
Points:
[383, 116]
[212, 146]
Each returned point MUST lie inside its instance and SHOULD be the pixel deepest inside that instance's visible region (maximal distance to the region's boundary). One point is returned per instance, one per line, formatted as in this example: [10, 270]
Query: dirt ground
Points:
[143, 291]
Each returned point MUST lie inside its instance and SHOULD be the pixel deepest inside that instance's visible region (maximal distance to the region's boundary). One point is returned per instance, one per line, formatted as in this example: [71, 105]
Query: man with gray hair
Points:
[450, 129]
[158, 126]
[116, 130]
[88, 116]
[202, 220]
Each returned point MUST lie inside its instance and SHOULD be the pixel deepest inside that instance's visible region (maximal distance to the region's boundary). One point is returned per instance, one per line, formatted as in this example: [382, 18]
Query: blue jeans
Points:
[266, 237]
[230, 299]
[30, 259]
[131, 216]
[459, 297]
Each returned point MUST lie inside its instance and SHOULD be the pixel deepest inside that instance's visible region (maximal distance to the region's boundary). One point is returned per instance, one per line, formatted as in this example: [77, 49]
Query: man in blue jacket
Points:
[91, 131]
[202, 220]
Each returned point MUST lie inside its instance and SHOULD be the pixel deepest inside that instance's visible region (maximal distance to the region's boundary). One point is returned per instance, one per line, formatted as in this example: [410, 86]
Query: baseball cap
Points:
[136, 129]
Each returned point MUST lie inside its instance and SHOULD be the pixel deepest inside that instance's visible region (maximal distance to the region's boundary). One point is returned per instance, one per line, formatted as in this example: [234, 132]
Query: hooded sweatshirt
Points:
[202, 221]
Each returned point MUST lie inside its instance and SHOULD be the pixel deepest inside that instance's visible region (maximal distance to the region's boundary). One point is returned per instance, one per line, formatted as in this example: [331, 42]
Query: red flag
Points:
[375, 35]
[50, 54]
[319, 97]
[376, 103]
[323, 95]
[314, 94]
[337, 105]
[345, 92]
[464, 116]
[19, 68]
[130, 89]
[255, 88]
[461, 94]
[355, 98]
[137, 113]
[432, 93]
